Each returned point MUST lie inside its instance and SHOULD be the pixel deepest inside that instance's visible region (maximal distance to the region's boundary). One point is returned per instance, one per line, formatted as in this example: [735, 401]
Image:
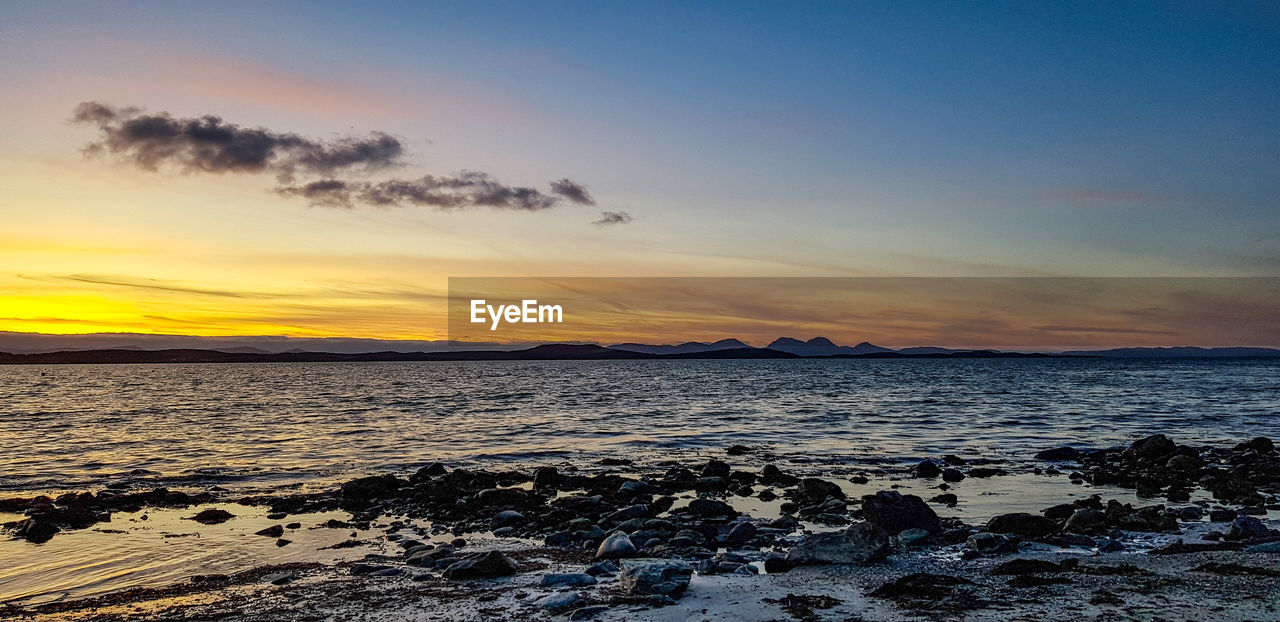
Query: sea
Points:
[273, 427]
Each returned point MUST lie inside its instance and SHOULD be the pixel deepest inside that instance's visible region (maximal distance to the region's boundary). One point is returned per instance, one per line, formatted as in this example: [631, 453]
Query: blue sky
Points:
[849, 138]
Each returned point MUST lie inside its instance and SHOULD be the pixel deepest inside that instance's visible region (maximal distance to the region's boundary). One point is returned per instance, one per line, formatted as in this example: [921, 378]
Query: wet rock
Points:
[212, 516]
[1108, 545]
[482, 566]
[602, 569]
[740, 534]
[895, 512]
[774, 476]
[1222, 516]
[861, 543]
[567, 579]
[1266, 547]
[1086, 521]
[274, 531]
[738, 450]
[507, 517]
[617, 545]
[947, 499]
[435, 469]
[546, 477]
[1154, 446]
[775, 563]
[636, 487]
[815, 490]
[1022, 524]
[913, 537]
[1247, 528]
[1262, 445]
[278, 578]
[283, 542]
[588, 613]
[36, 530]
[368, 569]
[668, 578]
[926, 468]
[501, 497]
[1026, 566]
[556, 603]
[372, 487]
[952, 475]
[715, 468]
[1058, 454]
[710, 507]
[1058, 512]
[983, 472]
[988, 543]
[615, 461]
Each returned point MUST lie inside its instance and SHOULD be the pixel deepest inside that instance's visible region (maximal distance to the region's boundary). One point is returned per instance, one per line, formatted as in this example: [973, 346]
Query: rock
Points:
[435, 469]
[1058, 454]
[1184, 464]
[368, 569]
[1061, 511]
[1025, 566]
[952, 475]
[895, 512]
[715, 468]
[991, 543]
[1222, 516]
[615, 461]
[861, 543]
[639, 510]
[501, 496]
[776, 563]
[555, 603]
[546, 477]
[1086, 520]
[710, 507]
[567, 579]
[278, 578]
[913, 537]
[1107, 545]
[926, 468]
[981, 472]
[738, 450]
[669, 578]
[636, 487]
[1266, 547]
[1247, 527]
[740, 534]
[772, 475]
[947, 499]
[482, 566]
[507, 517]
[615, 546]
[602, 569]
[212, 516]
[1262, 445]
[36, 530]
[588, 612]
[283, 542]
[274, 531]
[1022, 524]
[1154, 446]
[372, 487]
[814, 490]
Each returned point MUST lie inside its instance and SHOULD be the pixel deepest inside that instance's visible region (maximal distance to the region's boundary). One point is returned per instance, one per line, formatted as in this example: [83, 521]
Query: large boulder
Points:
[648, 577]
[1022, 524]
[860, 543]
[814, 490]
[482, 566]
[1154, 446]
[615, 546]
[895, 512]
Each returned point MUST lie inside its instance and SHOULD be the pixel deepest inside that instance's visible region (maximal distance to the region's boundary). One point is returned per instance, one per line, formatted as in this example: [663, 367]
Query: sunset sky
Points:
[714, 139]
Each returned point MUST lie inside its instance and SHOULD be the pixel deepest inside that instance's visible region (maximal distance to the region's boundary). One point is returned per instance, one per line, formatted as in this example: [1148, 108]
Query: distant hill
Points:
[1181, 352]
[821, 346]
[691, 347]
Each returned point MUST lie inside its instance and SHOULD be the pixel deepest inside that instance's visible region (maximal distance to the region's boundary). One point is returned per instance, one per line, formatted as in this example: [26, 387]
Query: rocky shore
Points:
[736, 537]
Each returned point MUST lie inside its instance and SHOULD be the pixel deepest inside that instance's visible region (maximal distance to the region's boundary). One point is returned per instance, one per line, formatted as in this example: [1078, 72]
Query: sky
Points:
[725, 139]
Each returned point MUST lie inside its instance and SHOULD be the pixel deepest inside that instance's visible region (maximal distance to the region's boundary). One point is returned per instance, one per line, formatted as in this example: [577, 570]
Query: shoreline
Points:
[713, 535]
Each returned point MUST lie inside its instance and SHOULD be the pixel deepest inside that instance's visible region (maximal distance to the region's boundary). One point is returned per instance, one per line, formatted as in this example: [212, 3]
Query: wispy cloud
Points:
[613, 218]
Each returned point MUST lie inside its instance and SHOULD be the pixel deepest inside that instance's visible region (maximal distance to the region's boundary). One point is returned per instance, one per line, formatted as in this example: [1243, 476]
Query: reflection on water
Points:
[158, 547]
[74, 427]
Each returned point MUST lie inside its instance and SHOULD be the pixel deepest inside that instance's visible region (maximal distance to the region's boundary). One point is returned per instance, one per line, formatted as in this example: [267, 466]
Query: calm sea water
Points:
[261, 426]
[75, 427]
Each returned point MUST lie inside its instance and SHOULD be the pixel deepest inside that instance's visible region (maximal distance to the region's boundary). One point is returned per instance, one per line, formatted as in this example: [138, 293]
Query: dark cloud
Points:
[613, 218]
[463, 190]
[573, 191]
[208, 144]
[308, 168]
